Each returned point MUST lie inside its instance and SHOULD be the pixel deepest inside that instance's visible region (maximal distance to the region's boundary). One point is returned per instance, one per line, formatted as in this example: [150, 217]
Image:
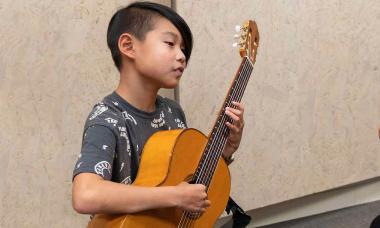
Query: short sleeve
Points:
[97, 153]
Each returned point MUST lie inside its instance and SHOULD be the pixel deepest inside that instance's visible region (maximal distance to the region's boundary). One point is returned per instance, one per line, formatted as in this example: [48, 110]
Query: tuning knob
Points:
[237, 28]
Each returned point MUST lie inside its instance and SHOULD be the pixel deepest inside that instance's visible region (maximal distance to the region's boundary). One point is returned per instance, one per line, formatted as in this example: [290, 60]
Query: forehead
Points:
[163, 27]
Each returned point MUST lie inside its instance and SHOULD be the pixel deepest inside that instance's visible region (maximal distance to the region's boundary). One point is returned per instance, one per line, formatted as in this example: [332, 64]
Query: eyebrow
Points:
[175, 36]
[171, 34]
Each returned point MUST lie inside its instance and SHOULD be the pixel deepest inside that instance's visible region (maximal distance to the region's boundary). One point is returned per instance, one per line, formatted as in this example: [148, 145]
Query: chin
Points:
[170, 85]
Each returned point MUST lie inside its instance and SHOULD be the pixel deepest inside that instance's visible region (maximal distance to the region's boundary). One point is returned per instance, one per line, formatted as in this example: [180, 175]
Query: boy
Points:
[150, 45]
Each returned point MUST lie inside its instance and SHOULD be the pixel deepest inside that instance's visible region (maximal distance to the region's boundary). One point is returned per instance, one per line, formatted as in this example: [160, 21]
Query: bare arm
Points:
[93, 195]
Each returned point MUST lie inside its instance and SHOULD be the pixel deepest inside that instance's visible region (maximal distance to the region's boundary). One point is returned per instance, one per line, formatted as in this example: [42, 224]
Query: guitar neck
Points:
[218, 136]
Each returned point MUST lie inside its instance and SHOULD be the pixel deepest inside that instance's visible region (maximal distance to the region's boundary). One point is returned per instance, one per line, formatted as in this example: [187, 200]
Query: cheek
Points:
[161, 53]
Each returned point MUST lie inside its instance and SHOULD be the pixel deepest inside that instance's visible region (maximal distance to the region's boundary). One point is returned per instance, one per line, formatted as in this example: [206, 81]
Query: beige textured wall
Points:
[312, 105]
[54, 65]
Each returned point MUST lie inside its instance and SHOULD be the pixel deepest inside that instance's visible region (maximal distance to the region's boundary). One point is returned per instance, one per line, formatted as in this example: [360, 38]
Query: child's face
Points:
[160, 58]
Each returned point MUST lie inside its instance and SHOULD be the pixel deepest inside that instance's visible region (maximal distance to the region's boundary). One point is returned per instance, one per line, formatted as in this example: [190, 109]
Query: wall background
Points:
[312, 106]
[54, 66]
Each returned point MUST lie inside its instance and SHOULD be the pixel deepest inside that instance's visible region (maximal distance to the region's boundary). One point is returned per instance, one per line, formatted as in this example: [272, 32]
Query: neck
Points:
[138, 92]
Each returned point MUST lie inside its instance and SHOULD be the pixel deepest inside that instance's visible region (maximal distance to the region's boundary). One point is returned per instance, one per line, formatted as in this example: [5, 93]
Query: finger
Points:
[204, 196]
[202, 187]
[239, 111]
[239, 122]
[232, 115]
[240, 106]
[200, 207]
[207, 203]
[233, 127]
[235, 111]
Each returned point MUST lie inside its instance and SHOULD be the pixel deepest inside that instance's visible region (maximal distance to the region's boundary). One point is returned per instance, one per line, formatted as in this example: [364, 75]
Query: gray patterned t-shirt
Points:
[115, 133]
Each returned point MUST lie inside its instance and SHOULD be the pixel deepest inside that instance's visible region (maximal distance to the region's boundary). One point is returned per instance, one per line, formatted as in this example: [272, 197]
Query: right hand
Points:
[192, 197]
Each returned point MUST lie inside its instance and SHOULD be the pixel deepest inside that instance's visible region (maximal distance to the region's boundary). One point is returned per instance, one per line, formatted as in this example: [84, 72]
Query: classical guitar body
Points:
[170, 157]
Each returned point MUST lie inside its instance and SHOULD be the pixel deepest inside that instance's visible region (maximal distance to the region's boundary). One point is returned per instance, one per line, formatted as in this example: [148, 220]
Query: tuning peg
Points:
[236, 36]
[237, 28]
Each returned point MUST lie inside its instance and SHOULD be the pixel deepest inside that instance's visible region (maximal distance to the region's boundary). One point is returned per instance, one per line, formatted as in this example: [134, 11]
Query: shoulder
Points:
[106, 114]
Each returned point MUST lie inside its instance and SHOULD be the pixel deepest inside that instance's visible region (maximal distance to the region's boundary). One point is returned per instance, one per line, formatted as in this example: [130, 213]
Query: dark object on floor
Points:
[239, 217]
[376, 222]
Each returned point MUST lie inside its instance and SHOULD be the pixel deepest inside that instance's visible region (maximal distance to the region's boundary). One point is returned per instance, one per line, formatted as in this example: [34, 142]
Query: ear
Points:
[127, 44]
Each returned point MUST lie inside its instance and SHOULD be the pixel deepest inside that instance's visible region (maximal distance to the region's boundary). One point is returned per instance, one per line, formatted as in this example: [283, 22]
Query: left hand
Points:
[236, 128]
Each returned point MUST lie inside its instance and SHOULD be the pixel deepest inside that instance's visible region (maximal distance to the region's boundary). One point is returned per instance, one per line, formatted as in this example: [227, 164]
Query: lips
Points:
[180, 69]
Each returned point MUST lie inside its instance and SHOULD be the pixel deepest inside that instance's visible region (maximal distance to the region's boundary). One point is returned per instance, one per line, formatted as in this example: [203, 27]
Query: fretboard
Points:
[218, 136]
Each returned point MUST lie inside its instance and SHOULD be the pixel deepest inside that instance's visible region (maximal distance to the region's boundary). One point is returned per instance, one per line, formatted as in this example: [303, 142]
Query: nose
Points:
[180, 56]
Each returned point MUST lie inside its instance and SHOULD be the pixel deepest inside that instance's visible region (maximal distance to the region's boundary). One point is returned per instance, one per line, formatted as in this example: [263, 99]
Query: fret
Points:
[218, 136]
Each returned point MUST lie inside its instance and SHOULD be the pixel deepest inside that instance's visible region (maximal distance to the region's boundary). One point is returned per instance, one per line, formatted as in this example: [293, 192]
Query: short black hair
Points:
[138, 19]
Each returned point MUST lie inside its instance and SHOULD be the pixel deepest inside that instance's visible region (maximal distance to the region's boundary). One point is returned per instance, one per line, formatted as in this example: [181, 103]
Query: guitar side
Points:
[170, 157]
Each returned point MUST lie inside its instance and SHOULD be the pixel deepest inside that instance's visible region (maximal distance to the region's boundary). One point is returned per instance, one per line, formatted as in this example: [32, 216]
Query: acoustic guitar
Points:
[188, 155]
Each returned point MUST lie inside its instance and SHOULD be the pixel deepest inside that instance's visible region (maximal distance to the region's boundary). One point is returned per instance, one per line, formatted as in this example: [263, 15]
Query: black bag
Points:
[240, 218]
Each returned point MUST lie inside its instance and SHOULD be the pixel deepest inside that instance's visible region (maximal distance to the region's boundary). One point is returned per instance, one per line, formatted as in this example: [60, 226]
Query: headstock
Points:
[248, 40]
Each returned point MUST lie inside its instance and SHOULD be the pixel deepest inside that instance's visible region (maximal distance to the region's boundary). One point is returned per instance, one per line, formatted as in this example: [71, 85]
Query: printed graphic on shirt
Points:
[104, 147]
[101, 166]
[99, 109]
[129, 117]
[179, 123]
[156, 123]
[79, 164]
[123, 133]
[128, 147]
[111, 121]
[122, 166]
[127, 180]
[115, 103]
[170, 110]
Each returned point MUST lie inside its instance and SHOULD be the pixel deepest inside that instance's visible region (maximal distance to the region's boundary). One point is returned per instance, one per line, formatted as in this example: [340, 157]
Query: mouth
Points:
[179, 70]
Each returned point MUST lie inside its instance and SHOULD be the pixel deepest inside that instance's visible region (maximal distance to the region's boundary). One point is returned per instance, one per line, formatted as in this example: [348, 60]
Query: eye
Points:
[169, 43]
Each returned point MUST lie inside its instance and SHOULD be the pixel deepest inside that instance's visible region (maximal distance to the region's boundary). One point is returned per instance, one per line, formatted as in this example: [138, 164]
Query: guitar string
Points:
[220, 144]
[239, 87]
[240, 82]
[236, 84]
[209, 154]
[221, 130]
